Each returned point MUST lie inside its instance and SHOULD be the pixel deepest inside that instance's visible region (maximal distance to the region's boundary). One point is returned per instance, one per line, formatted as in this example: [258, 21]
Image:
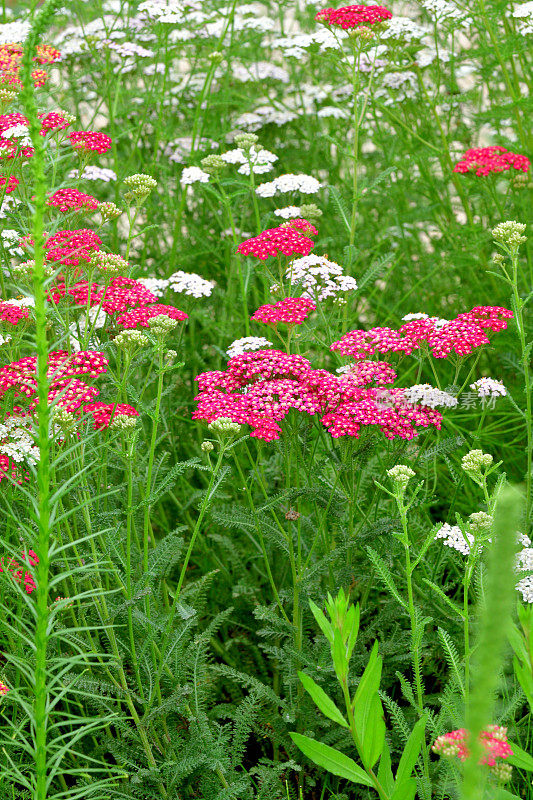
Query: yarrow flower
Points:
[260, 160]
[10, 183]
[90, 142]
[240, 346]
[3, 689]
[305, 184]
[494, 744]
[488, 387]
[191, 284]
[491, 160]
[290, 311]
[71, 247]
[72, 199]
[428, 396]
[104, 413]
[142, 316]
[11, 313]
[285, 239]
[18, 573]
[461, 335]
[453, 537]
[319, 277]
[349, 17]
[260, 388]
[401, 474]
[192, 175]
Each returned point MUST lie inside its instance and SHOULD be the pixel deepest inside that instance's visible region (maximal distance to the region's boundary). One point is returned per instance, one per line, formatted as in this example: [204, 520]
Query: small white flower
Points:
[94, 173]
[453, 537]
[305, 184]
[261, 160]
[488, 387]
[418, 315]
[240, 346]
[429, 396]
[191, 284]
[157, 286]
[525, 587]
[193, 175]
[289, 212]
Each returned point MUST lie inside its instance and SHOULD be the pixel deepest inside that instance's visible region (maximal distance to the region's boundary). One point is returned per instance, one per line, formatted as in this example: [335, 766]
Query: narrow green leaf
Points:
[330, 759]
[385, 776]
[411, 751]
[322, 701]
[338, 653]
[322, 622]
[405, 790]
[368, 712]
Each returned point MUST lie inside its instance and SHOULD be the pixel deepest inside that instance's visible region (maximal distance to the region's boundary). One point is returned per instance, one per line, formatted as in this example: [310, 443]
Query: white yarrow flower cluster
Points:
[261, 160]
[442, 10]
[453, 537]
[19, 132]
[16, 440]
[240, 346]
[191, 284]
[523, 12]
[319, 277]
[403, 28]
[429, 396]
[157, 286]
[192, 175]
[289, 212]
[305, 184]
[488, 387]
[94, 173]
[525, 587]
[14, 31]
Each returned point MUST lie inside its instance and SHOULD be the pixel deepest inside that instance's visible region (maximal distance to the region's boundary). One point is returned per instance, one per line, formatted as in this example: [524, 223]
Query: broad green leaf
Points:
[503, 794]
[320, 698]
[520, 758]
[368, 712]
[385, 776]
[322, 622]
[328, 758]
[411, 751]
[405, 790]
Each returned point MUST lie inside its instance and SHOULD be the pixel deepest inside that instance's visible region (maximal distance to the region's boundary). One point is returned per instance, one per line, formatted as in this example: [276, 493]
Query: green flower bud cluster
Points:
[400, 474]
[245, 140]
[123, 423]
[510, 233]
[480, 523]
[475, 463]
[139, 187]
[224, 427]
[109, 263]
[162, 325]
[207, 447]
[213, 164]
[24, 272]
[130, 340]
[109, 211]
[311, 212]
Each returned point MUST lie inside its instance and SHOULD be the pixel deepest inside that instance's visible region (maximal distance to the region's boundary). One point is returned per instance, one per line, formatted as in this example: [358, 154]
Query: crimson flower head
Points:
[291, 311]
[11, 313]
[90, 141]
[349, 17]
[71, 199]
[142, 315]
[71, 247]
[104, 413]
[491, 160]
[52, 121]
[285, 239]
[10, 183]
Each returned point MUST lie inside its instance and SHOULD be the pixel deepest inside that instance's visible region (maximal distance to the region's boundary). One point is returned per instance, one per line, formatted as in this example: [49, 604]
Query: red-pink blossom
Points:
[90, 141]
[18, 572]
[71, 247]
[103, 413]
[10, 183]
[123, 294]
[493, 740]
[72, 199]
[142, 315]
[11, 313]
[52, 121]
[353, 16]
[284, 239]
[494, 159]
[291, 311]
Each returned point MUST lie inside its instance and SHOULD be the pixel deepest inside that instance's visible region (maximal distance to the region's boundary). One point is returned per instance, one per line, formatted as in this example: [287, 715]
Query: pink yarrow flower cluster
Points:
[11, 313]
[142, 315]
[461, 335]
[494, 744]
[290, 311]
[104, 413]
[10, 183]
[285, 239]
[353, 16]
[260, 388]
[69, 247]
[19, 573]
[72, 199]
[63, 370]
[491, 160]
[90, 141]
